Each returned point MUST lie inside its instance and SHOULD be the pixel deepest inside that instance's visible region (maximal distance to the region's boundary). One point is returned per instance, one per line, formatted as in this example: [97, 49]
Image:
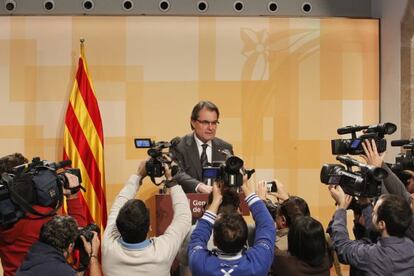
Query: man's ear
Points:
[381, 225]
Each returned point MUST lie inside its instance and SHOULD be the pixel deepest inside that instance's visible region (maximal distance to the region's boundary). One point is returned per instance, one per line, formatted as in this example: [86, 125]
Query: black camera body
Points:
[83, 255]
[229, 171]
[353, 146]
[156, 150]
[363, 183]
[36, 183]
[405, 160]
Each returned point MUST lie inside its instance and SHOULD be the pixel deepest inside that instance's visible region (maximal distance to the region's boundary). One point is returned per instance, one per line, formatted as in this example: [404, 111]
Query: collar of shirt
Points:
[200, 148]
[228, 256]
[135, 246]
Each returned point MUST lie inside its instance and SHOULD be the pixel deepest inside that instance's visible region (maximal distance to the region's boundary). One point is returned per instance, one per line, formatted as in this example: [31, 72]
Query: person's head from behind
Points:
[391, 215]
[8, 162]
[60, 232]
[290, 209]
[306, 240]
[230, 232]
[204, 120]
[133, 221]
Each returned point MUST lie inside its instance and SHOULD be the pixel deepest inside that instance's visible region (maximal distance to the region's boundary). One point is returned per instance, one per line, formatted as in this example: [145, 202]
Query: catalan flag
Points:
[84, 143]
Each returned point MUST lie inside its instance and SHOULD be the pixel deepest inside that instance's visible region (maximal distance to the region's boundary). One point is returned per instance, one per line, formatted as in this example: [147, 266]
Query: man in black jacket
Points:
[200, 148]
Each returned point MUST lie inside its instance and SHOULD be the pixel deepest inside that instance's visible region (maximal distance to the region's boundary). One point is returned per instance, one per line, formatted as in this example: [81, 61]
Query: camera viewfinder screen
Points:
[355, 144]
[211, 172]
[143, 143]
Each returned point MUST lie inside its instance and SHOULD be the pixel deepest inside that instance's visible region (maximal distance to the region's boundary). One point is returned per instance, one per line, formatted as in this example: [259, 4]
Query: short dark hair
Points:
[199, 106]
[8, 162]
[133, 221]
[396, 213]
[230, 232]
[293, 207]
[306, 240]
[273, 208]
[59, 232]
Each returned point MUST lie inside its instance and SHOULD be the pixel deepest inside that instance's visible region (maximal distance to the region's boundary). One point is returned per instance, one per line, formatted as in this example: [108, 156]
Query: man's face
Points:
[206, 124]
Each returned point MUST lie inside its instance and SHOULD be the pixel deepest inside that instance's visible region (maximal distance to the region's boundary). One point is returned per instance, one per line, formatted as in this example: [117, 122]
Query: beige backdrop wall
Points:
[283, 87]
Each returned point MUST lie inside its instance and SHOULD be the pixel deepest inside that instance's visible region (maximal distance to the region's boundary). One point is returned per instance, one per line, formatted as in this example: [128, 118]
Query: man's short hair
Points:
[396, 213]
[199, 106]
[306, 240]
[133, 221]
[293, 207]
[8, 162]
[230, 232]
[59, 232]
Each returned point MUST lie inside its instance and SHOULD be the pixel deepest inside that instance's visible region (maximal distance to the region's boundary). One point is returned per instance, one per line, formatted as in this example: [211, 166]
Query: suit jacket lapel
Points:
[194, 155]
[215, 154]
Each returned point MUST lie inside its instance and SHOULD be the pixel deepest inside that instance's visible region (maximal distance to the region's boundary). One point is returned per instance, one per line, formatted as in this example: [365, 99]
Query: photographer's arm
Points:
[392, 183]
[92, 249]
[74, 204]
[128, 192]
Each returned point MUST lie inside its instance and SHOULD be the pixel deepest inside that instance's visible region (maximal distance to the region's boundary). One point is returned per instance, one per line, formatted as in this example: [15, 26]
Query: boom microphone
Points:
[399, 143]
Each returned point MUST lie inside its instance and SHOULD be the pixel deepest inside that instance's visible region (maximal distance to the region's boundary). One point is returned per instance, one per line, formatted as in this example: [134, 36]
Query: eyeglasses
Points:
[206, 123]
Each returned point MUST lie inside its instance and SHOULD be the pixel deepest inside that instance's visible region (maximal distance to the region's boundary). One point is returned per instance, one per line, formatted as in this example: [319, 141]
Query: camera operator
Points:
[392, 183]
[16, 240]
[126, 249]
[230, 235]
[200, 148]
[49, 255]
[393, 254]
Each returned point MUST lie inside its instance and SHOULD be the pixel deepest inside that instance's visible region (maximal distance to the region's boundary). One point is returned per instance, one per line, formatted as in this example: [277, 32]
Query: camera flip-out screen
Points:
[142, 143]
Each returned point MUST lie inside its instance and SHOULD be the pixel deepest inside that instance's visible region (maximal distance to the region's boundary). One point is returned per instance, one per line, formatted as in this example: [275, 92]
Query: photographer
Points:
[49, 255]
[230, 235]
[16, 240]
[200, 148]
[126, 249]
[392, 183]
[393, 254]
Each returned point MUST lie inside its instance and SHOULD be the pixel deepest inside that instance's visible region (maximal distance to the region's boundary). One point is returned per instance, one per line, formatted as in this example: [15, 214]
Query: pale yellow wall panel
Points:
[11, 145]
[207, 48]
[54, 45]
[53, 82]
[5, 28]
[22, 77]
[106, 35]
[165, 53]
[242, 41]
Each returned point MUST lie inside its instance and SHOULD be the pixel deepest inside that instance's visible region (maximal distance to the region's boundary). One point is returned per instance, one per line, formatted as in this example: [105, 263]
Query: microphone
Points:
[226, 152]
[399, 143]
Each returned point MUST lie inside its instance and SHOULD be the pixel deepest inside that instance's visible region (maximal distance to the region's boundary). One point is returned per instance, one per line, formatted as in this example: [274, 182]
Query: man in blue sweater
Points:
[230, 235]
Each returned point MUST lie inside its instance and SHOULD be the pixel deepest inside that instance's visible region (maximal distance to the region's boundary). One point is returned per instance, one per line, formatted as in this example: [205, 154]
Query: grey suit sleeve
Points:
[187, 182]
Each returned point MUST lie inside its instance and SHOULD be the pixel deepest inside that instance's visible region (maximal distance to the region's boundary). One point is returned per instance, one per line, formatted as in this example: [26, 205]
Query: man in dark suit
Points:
[200, 148]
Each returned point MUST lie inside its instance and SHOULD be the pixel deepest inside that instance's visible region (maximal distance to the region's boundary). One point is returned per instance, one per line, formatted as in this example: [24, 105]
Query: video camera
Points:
[353, 146]
[155, 165]
[365, 183]
[37, 183]
[227, 171]
[404, 161]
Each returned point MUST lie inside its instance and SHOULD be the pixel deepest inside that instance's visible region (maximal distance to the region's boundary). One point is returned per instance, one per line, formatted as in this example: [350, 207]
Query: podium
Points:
[164, 211]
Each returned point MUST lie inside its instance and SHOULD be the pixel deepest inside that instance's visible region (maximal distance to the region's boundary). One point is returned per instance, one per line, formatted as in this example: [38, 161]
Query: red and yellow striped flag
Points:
[84, 143]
